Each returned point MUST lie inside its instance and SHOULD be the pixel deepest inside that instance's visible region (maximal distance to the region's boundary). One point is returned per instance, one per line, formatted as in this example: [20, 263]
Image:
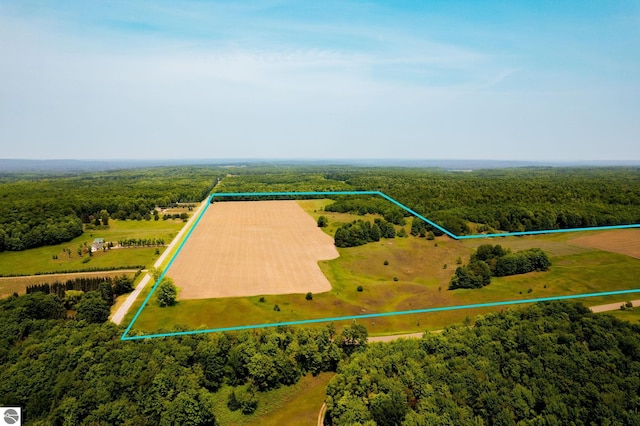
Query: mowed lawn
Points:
[41, 259]
[416, 276]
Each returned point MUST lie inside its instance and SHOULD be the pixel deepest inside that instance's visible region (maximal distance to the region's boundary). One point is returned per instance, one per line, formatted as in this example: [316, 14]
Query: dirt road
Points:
[612, 306]
[118, 316]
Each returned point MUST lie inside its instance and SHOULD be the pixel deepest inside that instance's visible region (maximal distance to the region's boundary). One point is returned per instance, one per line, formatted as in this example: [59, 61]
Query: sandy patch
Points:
[253, 248]
[623, 241]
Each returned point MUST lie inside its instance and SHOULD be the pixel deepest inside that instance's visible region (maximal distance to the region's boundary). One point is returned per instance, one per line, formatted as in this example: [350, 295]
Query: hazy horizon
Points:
[349, 80]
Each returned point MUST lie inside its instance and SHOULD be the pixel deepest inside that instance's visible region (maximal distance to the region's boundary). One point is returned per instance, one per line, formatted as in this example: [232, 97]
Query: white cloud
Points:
[379, 94]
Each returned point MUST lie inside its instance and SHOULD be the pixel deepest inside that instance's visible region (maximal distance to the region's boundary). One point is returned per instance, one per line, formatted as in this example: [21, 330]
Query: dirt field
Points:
[9, 285]
[623, 241]
[253, 248]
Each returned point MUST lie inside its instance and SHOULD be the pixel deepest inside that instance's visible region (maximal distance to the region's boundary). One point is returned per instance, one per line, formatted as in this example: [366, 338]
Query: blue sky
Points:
[509, 80]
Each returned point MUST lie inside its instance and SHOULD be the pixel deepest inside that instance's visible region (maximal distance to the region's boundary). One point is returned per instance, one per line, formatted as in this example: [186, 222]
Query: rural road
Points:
[612, 306]
[118, 316]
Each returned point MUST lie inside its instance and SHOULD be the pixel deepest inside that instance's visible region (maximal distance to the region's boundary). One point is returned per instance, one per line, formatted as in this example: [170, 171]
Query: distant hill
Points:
[70, 166]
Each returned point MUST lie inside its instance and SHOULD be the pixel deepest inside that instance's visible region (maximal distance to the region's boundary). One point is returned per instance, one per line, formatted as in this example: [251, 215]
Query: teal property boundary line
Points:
[211, 198]
[384, 314]
[153, 289]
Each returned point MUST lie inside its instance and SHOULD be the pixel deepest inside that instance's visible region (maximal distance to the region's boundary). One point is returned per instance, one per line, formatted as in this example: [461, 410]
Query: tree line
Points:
[141, 242]
[515, 199]
[518, 199]
[118, 286]
[43, 210]
[547, 364]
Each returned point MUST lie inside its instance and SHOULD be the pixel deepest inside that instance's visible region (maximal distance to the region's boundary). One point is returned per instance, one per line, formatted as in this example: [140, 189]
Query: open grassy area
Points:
[630, 315]
[297, 404]
[41, 259]
[416, 276]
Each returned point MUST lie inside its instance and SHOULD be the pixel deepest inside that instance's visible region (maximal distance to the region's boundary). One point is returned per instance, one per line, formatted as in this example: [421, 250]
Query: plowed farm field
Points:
[250, 248]
[623, 241]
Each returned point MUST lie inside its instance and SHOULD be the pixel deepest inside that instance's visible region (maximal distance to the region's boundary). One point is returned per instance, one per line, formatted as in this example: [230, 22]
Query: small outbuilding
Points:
[98, 244]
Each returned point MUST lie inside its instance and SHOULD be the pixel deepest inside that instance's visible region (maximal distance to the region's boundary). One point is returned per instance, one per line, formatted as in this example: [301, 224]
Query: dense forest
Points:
[38, 210]
[73, 372]
[517, 199]
[520, 199]
[547, 364]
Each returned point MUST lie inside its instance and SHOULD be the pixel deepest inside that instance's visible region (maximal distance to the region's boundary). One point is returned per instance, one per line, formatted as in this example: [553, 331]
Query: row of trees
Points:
[141, 242]
[42, 210]
[549, 364]
[109, 287]
[489, 260]
[76, 372]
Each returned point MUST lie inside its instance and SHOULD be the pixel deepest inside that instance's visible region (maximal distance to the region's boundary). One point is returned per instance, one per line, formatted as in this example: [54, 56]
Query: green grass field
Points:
[41, 259]
[416, 276]
[629, 315]
[296, 404]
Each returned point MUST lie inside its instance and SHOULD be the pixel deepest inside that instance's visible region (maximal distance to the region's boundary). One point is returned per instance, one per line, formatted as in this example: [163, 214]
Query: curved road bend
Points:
[124, 308]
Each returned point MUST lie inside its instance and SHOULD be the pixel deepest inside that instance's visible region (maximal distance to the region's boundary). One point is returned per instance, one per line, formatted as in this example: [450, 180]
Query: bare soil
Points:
[10, 285]
[253, 248]
[623, 241]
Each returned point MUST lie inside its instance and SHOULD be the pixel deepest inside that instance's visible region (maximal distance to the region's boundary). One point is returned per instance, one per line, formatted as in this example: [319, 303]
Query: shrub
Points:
[360, 289]
[309, 296]
[232, 402]
[247, 399]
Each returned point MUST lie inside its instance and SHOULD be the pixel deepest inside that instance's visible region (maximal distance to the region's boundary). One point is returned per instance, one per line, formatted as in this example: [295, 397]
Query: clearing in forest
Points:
[623, 241]
[249, 248]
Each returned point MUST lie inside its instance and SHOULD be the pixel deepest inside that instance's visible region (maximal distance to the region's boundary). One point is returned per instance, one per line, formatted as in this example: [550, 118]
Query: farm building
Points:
[98, 244]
